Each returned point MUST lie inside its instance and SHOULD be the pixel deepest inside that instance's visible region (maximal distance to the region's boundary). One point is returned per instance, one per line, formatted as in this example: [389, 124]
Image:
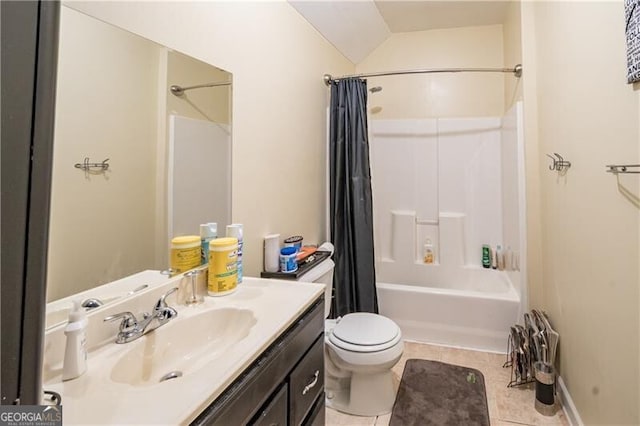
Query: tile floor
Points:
[507, 406]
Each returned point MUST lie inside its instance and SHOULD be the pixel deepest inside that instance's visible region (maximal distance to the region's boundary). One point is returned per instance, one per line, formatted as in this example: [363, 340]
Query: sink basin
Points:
[182, 347]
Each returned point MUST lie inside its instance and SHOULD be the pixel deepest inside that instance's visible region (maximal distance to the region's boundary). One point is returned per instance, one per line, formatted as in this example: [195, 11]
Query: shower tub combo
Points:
[452, 184]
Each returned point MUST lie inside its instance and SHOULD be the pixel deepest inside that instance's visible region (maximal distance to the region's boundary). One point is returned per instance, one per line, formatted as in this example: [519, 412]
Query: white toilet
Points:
[360, 350]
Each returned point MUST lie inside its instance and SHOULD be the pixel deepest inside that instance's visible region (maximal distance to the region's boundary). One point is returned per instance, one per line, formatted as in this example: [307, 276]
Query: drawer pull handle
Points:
[311, 384]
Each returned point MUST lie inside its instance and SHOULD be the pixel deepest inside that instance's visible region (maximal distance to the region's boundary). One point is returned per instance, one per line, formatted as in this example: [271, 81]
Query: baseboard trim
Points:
[569, 408]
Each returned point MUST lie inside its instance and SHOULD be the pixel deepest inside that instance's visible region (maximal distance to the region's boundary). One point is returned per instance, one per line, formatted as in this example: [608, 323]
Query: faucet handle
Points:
[128, 320]
[161, 304]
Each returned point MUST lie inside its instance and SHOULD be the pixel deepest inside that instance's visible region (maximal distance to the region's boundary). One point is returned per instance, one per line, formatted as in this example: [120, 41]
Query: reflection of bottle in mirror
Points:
[75, 352]
[235, 231]
[185, 253]
[208, 232]
[428, 251]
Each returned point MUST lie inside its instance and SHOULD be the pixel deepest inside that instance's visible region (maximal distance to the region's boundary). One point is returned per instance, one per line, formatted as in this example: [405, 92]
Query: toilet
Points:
[360, 350]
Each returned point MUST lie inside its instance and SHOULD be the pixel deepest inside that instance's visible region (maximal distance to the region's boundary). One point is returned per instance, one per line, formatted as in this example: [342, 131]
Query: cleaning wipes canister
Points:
[185, 253]
[223, 266]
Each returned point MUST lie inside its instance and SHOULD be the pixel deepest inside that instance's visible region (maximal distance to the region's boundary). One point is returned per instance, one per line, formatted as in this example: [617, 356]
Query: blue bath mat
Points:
[435, 393]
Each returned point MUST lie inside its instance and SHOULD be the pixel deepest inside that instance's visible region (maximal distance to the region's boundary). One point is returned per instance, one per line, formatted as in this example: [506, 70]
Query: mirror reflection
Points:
[134, 164]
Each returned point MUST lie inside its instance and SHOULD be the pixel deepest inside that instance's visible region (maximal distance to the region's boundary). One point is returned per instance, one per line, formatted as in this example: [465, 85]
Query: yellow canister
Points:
[223, 266]
[185, 253]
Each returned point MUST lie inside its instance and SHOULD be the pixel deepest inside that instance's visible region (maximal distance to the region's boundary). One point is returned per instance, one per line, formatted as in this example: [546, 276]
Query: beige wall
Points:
[438, 95]
[532, 156]
[122, 127]
[210, 103]
[512, 42]
[279, 103]
[579, 105]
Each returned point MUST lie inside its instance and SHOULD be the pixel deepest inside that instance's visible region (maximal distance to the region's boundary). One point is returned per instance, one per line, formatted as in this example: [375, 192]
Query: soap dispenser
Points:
[75, 353]
[428, 251]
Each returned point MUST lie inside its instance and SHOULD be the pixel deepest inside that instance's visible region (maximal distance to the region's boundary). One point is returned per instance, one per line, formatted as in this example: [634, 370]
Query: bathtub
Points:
[466, 307]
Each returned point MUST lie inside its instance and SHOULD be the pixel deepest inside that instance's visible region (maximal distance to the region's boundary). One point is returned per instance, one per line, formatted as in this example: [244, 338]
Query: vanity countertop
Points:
[99, 397]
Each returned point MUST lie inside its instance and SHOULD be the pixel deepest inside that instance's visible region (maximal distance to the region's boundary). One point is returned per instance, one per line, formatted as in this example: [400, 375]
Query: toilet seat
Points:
[365, 332]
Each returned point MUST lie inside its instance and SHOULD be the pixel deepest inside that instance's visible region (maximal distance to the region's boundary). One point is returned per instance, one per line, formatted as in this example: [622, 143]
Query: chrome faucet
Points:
[131, 328]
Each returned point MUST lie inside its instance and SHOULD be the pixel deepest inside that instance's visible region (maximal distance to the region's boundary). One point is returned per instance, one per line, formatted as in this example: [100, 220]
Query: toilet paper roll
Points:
[272, 253]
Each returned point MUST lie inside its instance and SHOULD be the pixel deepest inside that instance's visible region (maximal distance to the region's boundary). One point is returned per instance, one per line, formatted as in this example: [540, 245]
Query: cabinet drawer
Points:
[306, 382]
[275, 412]
[317, 415]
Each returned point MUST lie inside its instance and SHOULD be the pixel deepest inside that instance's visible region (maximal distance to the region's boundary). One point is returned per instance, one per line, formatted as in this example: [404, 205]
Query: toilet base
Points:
[366, 395]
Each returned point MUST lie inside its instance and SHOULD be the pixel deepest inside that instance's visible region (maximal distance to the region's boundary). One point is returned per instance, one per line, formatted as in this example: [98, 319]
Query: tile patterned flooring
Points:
[507, 406]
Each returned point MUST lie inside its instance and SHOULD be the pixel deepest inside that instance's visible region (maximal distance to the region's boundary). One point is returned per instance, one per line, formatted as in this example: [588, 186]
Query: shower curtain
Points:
[351, 207]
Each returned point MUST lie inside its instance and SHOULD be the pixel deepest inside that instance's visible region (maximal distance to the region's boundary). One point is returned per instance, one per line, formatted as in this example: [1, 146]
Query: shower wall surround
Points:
[451, 180]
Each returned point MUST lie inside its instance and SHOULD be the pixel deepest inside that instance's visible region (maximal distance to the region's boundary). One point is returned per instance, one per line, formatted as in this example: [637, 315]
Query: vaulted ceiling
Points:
[356, 28]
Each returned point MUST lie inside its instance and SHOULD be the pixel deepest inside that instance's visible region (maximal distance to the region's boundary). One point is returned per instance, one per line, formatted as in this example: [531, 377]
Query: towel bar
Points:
[622, 168]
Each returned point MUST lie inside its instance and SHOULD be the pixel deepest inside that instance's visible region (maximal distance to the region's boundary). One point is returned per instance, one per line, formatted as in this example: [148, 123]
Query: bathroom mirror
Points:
[134, 164]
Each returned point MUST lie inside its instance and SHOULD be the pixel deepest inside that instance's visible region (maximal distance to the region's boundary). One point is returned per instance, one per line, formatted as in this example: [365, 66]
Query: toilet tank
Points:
[322, 273]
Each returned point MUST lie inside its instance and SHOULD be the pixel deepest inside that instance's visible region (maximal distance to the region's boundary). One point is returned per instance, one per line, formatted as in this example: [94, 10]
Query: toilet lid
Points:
[365, 332]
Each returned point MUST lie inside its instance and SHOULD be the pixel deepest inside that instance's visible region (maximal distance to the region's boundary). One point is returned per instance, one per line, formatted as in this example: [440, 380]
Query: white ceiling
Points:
[357, 27]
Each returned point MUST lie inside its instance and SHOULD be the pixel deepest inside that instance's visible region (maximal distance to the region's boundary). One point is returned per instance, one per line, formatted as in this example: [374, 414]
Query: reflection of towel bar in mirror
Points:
[88, 166]
[179, 90]
[622, 168]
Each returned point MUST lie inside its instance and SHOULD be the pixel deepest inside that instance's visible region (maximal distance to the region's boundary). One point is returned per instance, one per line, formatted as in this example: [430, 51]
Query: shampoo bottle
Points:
[75, 353]
[494, 259]
[499, 258]
[508, 258]
[486, 256]
[428, 251]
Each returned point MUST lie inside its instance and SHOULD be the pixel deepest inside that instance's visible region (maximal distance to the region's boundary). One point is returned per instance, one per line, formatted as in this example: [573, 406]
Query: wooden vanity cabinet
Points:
[284, 386]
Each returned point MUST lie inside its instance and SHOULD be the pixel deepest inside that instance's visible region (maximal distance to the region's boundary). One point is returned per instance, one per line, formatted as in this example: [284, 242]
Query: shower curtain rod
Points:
[517, 71]
[179, 90]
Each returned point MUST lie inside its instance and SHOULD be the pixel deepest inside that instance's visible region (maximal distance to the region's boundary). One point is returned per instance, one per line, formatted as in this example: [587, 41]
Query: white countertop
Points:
[95, 398]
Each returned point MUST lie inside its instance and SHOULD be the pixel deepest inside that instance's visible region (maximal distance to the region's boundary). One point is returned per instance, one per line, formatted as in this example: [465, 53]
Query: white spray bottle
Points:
[75, 353]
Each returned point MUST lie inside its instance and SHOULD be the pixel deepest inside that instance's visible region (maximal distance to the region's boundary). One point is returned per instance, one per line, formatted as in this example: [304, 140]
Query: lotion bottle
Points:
[75, 353]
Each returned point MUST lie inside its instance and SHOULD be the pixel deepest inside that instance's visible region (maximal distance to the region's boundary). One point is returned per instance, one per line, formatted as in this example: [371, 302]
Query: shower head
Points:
[376, 89]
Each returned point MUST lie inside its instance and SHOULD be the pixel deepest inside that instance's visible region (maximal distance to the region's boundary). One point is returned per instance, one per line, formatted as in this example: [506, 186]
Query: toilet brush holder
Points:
[545, 375]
